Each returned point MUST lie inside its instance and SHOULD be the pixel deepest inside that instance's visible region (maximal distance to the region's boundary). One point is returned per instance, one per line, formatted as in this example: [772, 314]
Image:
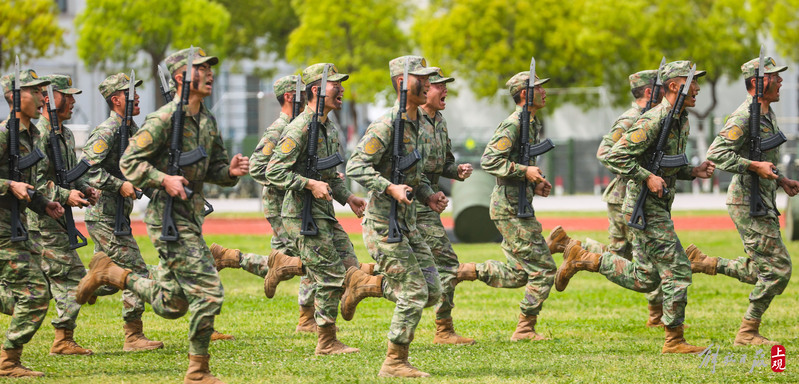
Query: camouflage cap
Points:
[178, 59]
[680, 68]
[748, 68]
[286, 84]
[63, 84]
[519, 81]
[28, 78]
[314, 73]
[418, 66]
[113, 83]
[438, 78]
[643, 78]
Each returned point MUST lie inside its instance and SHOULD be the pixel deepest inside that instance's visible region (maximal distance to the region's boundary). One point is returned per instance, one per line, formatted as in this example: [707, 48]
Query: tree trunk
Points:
[701, 138]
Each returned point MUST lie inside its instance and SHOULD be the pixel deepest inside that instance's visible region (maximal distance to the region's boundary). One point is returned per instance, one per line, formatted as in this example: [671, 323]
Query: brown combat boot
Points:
[575, 259]
[445, 333]
[10, 366]
[396, 363]
[102, 271]
[655, 314]
[281, 267]
[466, 272]
[225, 257]
[358, 286]
[328, 344]
[135, 339]
[675, 342]
[525, 329]
[216, 336]
[749, 334]
[64, 344]
[199, 372]
[307, 322]
[700, 262]
[368, 268]
[557, 240]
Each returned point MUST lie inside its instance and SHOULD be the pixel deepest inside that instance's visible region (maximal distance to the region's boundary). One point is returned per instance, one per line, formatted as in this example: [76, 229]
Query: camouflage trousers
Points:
[619, 234]
[410, 278]
[659, 260]
[63, 269]
[768, 265]
[185, 280]
[326, 258]
[529, 263]
[124, 251]
[23, 291]
[432, 230]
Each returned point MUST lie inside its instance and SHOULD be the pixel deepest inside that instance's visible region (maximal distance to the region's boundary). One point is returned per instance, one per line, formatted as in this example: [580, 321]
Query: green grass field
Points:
[597, 332]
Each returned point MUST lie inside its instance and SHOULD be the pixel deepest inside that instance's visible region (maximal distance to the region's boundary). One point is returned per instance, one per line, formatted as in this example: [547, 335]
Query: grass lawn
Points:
[597, 332]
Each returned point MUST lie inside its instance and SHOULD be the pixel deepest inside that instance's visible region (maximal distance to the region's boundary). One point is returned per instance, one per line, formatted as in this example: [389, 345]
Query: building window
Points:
[62, 5]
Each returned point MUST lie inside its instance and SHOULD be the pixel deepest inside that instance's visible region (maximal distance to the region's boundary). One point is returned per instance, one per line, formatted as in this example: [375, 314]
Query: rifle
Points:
[121, 220]
[659, 159]
[17, 164]
[177, 158]
[64, 177]
[167, 94]
[656, 85]
[295, 111]
[757, 145]
[528, 152]
[314, 163]
[401, 162]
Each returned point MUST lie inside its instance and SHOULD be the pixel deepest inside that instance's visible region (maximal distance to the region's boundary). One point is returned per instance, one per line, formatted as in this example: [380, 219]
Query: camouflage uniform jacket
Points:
[730, 150]
[145, 163]
[632, 153]
[28, 137]
[499, 159]
[287, 165]
[440, 161]
[102, 150]
[272, 196]
[46, 175]
[370, 166]
[615, 191]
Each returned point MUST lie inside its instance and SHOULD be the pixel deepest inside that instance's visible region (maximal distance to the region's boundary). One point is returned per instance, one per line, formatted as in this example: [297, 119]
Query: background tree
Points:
[28, 28]
[111, 32]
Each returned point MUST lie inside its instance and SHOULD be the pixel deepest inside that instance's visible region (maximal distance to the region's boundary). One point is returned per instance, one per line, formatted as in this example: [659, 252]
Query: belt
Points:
[508, 182]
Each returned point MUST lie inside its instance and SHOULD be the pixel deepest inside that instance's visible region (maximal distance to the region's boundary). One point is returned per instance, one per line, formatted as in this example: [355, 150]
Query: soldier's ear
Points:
[179, 78]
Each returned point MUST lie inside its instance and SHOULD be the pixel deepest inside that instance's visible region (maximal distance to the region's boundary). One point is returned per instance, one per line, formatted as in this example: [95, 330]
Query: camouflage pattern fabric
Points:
[186, 272]
[440, 162]
[23, 287]
[410, 276]
[529, 262]
[658, 256]
[768, 265]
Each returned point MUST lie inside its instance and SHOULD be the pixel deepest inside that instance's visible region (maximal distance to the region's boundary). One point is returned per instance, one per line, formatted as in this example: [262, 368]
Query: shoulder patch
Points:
[616, 135]
[735, 133]
[372, 146]
[638, 136]
[144, 139]
[100, 146]
[269, 147]
[288, 145]
[503, 144]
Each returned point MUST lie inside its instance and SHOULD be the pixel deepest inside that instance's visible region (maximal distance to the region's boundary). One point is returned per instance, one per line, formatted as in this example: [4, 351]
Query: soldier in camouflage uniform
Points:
[23, 288]
[407, 273]
[102, 150]
[768, 265]
[273, 203]
[326, 255]
[529, 262]
[61, 265]
[441, 163]
[185, 279]
[658, 256]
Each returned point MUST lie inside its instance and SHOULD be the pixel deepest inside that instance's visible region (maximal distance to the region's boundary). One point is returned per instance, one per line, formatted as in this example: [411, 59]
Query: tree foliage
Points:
[28, 28]
[111, 32]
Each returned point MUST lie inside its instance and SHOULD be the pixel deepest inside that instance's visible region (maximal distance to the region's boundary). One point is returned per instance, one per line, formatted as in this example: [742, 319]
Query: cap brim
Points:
[541, 81]
[442, 80]
[699, 74]
[427, 71]
[211, 60]
[338, 77]
[778, 69]
[36, 83]
[127, 86]
[70, 91]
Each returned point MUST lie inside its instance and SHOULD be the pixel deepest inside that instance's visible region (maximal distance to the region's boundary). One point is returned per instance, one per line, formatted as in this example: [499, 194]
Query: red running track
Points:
[353, 225]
